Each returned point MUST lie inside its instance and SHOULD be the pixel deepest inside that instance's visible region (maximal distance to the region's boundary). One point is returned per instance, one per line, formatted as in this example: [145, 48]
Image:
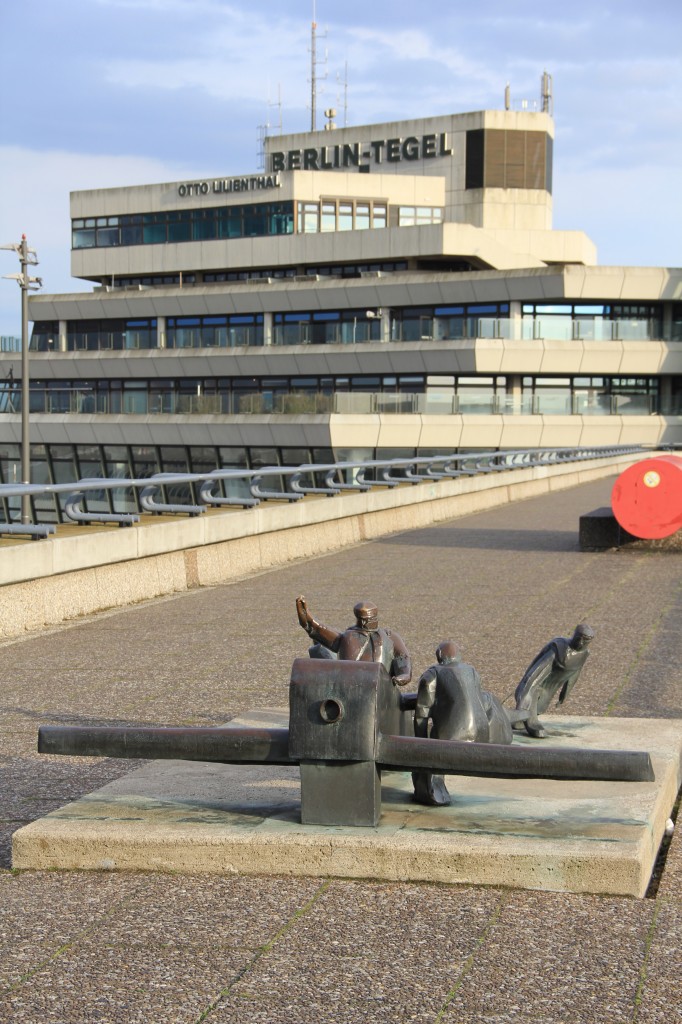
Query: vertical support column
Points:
[62, 339]
[160, 332]
[515, 392]
[385, 323]
[267, 329]
[515, 318]
[667, 324]
[25, 382]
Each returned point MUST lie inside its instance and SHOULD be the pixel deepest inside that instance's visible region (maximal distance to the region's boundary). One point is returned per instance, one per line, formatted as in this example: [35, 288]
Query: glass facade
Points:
[341, 215]
[560, 322]
[197, 225]
[214, 331]
[411, 216]
[255, 220]
[597, 321]
[339, 327]
[360, 393]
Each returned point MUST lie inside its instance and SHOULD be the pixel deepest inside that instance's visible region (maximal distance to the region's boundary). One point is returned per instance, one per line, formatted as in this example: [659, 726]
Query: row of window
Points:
[341, 215]
[230, 331]
[254, 220]
[598, 321]
[608, 310]
[361, 393]
[262, 273]
[408, 383]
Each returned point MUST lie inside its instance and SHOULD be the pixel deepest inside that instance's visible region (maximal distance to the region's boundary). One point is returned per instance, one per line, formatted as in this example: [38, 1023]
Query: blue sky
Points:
[99, 93]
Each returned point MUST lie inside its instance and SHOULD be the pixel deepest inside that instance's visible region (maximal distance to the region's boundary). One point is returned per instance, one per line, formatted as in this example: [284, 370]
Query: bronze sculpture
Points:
[365, 641]
[344, 732]
[555, 668]
[347, 725]
[451, 699]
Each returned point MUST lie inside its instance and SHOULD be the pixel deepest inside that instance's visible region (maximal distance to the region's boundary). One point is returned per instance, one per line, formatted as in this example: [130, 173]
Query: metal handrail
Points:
[387, 472]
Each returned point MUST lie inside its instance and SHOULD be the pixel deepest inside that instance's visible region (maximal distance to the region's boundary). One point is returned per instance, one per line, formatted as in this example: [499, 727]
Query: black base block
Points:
[600, 530]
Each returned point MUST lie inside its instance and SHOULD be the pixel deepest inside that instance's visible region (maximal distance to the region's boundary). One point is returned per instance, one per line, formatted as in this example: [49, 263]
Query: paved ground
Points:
[78, 947]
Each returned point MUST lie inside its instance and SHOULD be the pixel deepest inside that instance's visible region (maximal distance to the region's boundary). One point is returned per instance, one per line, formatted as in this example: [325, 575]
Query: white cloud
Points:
[38, 184]
[235, 52]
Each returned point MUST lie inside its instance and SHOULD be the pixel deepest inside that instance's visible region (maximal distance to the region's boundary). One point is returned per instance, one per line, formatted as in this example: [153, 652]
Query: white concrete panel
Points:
[560, 357]
[354, 431]
[481, 432]
[441, 432]
[641, 429]
[641, 358]
[522, 431]
[399, 431]
[601, 357]
[671, 360]
[600, 430]
[672, 430]
[560, 431]
[640, 283]
[600, 283]
[520, 356]
[489, 355]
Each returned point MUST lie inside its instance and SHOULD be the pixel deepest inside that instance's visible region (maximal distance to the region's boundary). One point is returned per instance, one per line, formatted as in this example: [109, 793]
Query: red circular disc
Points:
[647, 498]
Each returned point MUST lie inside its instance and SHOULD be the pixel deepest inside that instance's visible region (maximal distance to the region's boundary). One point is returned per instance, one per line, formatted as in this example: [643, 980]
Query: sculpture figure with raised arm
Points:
[364, 641]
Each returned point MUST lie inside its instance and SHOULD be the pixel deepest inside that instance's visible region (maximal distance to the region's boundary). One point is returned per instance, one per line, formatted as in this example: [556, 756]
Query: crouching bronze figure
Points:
[554, 669]
[451, 700]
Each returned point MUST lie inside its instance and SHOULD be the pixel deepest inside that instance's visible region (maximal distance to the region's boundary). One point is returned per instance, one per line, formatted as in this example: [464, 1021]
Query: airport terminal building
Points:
[390, 289]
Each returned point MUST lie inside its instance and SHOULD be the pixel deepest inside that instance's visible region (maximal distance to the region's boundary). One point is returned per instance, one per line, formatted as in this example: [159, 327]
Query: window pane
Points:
[328, 217]
[179, 232]
[379, 215]
[345, 216]
[362, 216]
[83, 239]
[154, 233]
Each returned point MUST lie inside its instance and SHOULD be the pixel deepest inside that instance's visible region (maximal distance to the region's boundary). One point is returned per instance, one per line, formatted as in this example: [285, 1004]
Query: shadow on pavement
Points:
[491, 540]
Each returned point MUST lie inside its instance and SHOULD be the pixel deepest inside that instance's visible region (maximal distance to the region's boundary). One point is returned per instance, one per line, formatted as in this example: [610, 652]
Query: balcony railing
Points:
[85, 402]
[362, 331]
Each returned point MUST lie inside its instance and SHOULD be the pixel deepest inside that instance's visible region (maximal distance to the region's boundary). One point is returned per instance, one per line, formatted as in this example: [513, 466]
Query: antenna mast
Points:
[313, 70]
[264, 129]
[546, 91]
[343, 81]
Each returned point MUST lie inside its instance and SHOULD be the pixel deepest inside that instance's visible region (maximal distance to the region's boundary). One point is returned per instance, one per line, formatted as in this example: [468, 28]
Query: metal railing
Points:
[466, 402]
[359, 330]
[122, 500]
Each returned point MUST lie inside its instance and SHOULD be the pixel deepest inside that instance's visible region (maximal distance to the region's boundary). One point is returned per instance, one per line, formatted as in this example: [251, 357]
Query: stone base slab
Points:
[577, 836]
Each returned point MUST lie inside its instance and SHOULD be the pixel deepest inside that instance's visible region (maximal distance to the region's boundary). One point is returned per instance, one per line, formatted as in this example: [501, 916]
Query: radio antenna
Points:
[313, 70]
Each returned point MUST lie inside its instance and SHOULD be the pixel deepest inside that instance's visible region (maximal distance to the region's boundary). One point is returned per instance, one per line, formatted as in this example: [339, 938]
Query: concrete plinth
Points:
[575, 836]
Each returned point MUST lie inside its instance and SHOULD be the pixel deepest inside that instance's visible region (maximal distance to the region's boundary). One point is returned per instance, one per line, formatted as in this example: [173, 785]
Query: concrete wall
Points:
[44, 583]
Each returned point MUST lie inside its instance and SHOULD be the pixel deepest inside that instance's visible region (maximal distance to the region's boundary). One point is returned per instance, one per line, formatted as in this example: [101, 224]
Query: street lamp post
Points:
[27, 258]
